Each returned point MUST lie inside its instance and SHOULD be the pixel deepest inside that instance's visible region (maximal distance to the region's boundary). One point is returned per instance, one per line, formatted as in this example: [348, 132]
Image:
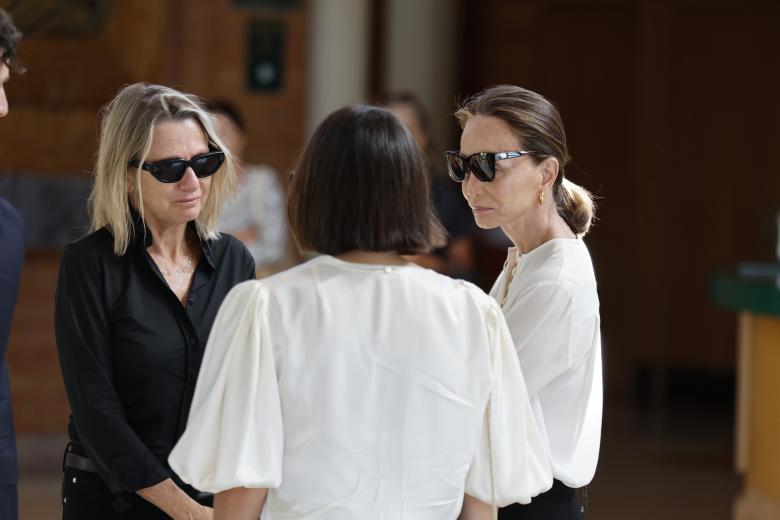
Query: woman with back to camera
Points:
[135, 302]
[511, 166]
[357, 385]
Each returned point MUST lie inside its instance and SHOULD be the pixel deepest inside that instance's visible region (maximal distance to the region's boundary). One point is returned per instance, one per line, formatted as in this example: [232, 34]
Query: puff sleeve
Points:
[234, 435]
[551, 336]
[511, 463]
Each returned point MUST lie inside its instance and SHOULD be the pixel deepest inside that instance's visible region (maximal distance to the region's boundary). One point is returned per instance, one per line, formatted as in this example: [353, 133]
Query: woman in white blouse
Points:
[358, 386]
[511, 165]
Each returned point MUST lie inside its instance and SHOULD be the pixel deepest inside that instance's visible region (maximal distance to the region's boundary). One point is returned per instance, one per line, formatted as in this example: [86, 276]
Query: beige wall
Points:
[420, 56]
[338, 57]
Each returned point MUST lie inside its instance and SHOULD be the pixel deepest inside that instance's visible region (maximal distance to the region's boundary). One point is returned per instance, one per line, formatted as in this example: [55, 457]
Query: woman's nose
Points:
[471, 185]
[189, 179]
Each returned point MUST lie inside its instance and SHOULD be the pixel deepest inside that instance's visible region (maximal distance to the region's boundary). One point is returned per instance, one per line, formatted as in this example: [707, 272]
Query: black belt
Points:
[75, 461]
[78, 462]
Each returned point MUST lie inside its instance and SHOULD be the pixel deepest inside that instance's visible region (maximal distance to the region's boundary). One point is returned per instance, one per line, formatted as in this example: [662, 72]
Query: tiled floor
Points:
[39, 497]
[679, 468]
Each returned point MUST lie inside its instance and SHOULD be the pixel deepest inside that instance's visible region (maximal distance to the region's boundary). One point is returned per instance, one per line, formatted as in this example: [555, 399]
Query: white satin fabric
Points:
[359, 391]
[550, 301]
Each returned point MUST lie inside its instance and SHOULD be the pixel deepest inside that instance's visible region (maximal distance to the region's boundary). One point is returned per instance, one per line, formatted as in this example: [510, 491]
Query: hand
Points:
[239, 504]
[474, 509]
[200, 512]
[176, 503]
[195, 511]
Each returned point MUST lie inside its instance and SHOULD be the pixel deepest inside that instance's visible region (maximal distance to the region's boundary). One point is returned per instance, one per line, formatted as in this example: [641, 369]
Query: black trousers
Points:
[559, 503]
[86, 497]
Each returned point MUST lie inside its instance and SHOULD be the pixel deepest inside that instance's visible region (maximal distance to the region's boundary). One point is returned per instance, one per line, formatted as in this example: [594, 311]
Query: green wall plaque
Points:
[265, 67]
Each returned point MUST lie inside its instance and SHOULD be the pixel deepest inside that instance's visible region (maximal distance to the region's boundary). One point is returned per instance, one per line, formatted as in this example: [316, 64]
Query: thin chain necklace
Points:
[181, 272]
[176, 274]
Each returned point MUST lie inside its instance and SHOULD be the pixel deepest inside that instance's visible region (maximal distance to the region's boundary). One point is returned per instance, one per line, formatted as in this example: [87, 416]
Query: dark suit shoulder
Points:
[12, 243]
[11, 224]
[9, 213]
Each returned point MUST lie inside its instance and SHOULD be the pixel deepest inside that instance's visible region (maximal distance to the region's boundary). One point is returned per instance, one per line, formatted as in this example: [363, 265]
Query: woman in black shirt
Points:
[135, 303]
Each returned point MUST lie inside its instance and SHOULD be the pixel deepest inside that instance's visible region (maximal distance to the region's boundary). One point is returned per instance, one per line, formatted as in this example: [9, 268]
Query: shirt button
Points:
[388, 269]
[191, 300]
[193, 341]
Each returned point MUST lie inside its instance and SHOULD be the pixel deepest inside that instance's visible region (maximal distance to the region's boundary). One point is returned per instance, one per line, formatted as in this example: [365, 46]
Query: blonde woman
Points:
[135, 302]
[511, 165]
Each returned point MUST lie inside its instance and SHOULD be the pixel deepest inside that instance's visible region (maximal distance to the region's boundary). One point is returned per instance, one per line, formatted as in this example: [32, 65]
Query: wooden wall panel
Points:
[52, 125]
[723, 114]
[212, 63]
[40, 404]
[195, 45]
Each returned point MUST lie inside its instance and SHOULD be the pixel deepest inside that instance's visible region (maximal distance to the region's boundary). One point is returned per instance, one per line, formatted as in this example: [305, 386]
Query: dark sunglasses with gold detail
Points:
[172, 170]
[481, 164]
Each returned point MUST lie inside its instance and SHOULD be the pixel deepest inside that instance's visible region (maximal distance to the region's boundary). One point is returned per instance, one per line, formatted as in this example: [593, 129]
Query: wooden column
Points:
[758, 452]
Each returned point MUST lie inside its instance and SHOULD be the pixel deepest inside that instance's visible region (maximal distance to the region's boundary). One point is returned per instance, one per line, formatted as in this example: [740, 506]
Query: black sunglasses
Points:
[481, 164]
[172, 170]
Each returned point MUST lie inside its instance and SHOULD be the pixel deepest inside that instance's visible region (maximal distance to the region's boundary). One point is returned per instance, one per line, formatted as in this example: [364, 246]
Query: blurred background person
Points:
[511, 164]
[456, 258]
[11, 260]
[257, 215]
[135, 302]
[359, 385]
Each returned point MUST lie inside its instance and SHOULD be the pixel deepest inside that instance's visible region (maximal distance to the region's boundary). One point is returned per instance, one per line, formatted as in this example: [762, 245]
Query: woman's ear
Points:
[549, 167]
[131, 179]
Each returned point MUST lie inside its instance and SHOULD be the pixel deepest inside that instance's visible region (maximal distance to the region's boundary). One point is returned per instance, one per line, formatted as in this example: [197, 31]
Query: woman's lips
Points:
[188, 201]
[480, 210]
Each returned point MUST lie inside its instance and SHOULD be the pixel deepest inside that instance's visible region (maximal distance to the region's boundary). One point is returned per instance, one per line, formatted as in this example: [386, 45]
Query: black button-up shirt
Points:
[130, 351]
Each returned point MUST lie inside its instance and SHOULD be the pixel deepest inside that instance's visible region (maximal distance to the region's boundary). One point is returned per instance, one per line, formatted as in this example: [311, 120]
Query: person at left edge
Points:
[12, 244]
[136, 300]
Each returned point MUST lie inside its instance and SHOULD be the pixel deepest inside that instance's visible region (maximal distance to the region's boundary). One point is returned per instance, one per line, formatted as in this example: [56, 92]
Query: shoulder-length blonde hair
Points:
[126, 133]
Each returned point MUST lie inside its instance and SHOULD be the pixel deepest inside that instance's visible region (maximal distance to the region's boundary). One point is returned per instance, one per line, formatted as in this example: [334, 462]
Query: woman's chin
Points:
[187, 214]
[485, 222]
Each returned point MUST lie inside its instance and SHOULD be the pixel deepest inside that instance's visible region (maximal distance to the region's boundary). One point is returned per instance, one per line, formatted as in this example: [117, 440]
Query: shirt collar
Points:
[142, 238]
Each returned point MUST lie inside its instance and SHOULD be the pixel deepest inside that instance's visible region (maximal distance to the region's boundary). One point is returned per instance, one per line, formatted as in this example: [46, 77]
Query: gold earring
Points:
[541, 198]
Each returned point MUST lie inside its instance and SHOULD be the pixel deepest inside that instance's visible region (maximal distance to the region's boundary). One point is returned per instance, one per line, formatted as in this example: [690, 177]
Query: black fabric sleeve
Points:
[237, 250]
[82, 329]
[251, 268]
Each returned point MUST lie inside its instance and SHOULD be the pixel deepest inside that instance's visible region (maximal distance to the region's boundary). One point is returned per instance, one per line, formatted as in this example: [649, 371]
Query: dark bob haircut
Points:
[361, 184]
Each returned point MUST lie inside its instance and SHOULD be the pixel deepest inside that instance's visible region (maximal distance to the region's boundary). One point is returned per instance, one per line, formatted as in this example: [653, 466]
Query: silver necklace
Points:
[177, 273]
[181, 272]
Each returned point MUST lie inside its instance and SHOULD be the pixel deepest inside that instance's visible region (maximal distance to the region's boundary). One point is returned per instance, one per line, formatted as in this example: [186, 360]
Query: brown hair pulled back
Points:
[538, 125]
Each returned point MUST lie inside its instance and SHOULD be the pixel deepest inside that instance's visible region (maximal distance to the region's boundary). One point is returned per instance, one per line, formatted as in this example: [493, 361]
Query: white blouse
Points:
[552, 308]
[359, 391]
